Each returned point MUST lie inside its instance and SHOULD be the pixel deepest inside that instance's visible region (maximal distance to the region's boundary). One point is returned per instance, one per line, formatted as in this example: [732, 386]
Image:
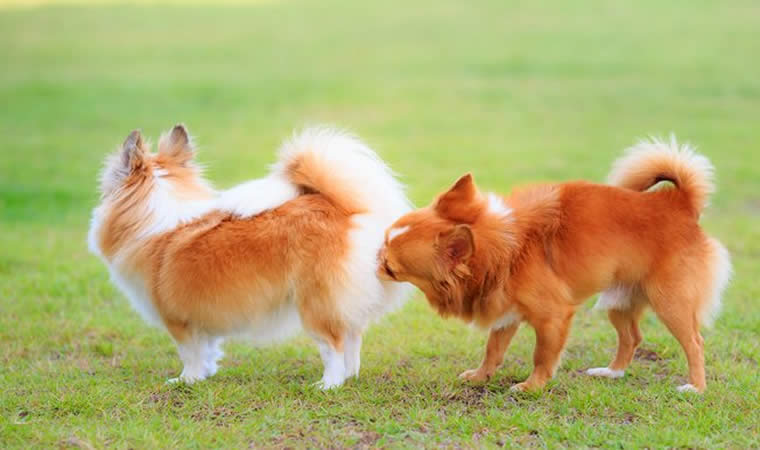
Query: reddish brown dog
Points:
[537, 254]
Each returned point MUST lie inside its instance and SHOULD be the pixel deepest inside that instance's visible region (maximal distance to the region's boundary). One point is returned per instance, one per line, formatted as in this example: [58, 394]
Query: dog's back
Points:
[223, 273]
[613, 235]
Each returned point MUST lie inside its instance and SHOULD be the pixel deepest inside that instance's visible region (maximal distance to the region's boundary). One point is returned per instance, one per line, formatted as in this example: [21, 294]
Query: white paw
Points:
[687, 388]
[327, 384]
[605, 372]
[335, 368]
[211, 368]
[187, 378]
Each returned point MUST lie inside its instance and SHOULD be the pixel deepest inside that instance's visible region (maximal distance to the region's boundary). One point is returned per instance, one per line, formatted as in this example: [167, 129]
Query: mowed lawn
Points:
[512, 92]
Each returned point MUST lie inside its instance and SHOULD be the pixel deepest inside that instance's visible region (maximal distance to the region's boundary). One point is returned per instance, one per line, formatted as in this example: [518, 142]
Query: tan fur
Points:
[230, 259]
[559, 245]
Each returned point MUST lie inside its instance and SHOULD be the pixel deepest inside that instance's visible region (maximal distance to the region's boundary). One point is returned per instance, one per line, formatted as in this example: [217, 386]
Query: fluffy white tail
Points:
[345, 170]
[654, 160]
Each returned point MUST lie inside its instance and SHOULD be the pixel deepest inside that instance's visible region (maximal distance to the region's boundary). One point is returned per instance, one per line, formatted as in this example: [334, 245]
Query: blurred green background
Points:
[512, 91]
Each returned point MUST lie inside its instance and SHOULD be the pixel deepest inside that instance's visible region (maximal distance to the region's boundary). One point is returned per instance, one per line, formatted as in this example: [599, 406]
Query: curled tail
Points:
[654, 160]
[345, 170]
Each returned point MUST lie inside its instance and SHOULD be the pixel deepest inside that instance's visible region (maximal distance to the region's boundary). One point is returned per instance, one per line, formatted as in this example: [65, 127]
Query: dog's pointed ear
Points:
[456, 245]
[127, 160]
[133, 151]
[177, 144]
[464, 185]
[462, 202]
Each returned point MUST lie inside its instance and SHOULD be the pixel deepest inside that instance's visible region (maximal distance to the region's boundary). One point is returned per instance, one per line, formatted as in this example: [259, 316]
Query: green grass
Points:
[512, 91]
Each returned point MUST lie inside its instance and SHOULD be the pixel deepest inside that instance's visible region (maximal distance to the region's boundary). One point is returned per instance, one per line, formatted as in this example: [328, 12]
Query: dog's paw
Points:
[605, 372]
[326, 385]
[183, 380]
[688, 388]
[475, 375]
[520, 387]
[186, 379]
[329, 382]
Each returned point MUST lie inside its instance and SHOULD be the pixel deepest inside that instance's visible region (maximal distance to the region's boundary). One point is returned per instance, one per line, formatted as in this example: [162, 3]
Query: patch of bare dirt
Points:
[75, 442]
[221, 416]
[643, 354]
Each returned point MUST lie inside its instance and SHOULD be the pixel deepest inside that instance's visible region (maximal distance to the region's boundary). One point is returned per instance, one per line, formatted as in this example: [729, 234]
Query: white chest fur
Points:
[506, 320]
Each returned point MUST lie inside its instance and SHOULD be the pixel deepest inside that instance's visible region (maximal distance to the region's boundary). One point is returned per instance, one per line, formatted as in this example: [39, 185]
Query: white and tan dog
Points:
[296, 249]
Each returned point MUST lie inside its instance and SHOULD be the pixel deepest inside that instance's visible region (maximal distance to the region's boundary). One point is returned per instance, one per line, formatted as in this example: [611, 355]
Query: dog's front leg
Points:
[498, 342]
[551, 335]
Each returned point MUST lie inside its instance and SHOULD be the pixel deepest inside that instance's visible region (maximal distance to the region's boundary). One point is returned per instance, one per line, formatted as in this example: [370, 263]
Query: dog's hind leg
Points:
[193, 350]
[329, 332]
[352, 353]
[334, 362]
[214, 353]
[683, 323]
[679, 293]
[626, 322]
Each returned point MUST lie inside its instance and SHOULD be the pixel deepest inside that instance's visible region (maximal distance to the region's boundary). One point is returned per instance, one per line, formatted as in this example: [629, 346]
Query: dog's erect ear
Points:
[464, 185]
[133, 151]
[127, 160]
[462, 202]
[456, 245]
[176, 144]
